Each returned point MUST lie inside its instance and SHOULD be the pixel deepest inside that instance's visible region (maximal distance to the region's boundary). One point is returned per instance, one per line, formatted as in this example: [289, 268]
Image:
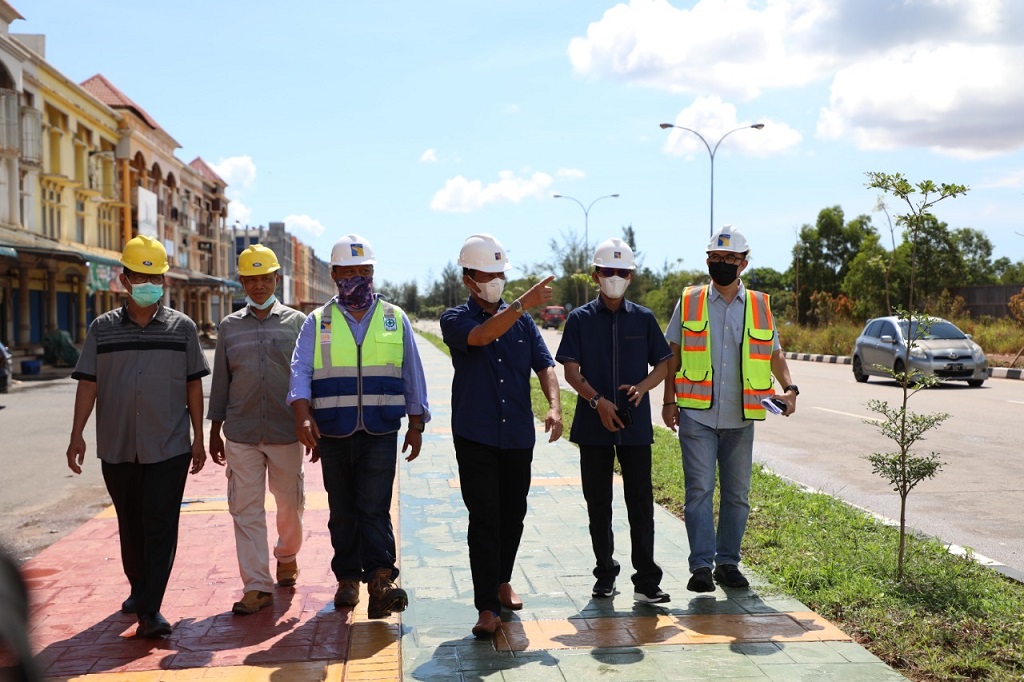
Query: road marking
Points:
[1018, 402]
[850, 414]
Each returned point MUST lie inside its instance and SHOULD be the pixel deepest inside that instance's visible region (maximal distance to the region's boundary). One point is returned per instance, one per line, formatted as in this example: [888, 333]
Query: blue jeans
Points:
[731, 451]
[359, 473]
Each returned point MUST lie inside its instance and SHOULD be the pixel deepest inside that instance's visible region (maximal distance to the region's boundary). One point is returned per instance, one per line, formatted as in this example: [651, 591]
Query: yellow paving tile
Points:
[547, 481]
[313, 671]
[578, 633]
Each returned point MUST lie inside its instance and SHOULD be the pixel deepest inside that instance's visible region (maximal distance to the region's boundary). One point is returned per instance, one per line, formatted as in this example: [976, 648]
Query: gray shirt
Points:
[141, 375]
[726, 331]
[251, 368]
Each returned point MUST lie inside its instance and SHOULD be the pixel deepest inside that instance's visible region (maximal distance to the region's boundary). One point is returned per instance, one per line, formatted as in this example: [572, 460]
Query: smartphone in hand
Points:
[625, 416]
[774, 405]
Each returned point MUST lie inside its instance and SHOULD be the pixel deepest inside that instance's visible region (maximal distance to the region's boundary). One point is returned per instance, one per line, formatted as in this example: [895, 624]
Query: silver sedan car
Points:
[940, 349]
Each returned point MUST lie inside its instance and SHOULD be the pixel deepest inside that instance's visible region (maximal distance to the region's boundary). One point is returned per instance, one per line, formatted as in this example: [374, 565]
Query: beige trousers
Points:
[249, 469]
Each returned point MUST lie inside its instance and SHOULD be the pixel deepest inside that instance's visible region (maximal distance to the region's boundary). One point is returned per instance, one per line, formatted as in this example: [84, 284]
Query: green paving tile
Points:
[812, 652]
[853, 652]
[833, 672]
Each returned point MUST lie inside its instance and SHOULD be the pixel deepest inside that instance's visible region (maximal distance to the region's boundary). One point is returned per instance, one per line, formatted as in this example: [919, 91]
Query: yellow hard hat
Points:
[257, 260]
[146, 255]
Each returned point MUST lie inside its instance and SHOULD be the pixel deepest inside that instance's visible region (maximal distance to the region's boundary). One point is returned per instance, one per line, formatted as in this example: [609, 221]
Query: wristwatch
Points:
[595, 400]
[517, 306]
[417, 426]
[791, 387]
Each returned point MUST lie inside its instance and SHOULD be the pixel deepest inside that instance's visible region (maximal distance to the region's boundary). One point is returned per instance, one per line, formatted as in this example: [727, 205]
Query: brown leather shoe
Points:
[287, 573]
[385, 597]
[508, 597]
[252, 601]
[487, 624]
[347, 594]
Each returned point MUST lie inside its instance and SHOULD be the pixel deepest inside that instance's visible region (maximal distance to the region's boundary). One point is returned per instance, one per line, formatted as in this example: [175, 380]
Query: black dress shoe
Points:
[128, 605]
[153, 625]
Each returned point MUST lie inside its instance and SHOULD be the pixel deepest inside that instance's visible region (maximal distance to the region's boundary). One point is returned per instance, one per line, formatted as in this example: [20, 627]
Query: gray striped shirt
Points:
[140, 375]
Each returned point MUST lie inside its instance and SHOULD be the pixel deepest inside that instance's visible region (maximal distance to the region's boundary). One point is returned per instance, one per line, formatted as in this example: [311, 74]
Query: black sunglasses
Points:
[614, 272]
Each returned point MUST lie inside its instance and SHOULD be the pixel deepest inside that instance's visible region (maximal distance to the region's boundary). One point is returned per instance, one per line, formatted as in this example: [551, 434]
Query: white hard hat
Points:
[614, 253]
[728, 238]
[484, 253]
[352, 249]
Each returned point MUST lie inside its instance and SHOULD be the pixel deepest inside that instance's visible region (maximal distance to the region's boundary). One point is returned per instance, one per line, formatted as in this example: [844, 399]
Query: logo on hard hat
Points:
[257, 264]
[497, 255]
[723, 240]
[147, 263]
[357, 249]
[616, 254]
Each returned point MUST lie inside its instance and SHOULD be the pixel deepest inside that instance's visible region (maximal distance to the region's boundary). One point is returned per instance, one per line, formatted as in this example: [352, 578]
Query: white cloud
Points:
[429, 156]
[713, 119]
[570, 174]
[304, 223]
[939, 74]
[959, 100]
[462, 195]
[239, 172]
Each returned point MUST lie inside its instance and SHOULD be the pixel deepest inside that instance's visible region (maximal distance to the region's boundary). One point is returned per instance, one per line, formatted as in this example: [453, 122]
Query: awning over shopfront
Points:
[22, 242]
[8, 252]
[99, 256]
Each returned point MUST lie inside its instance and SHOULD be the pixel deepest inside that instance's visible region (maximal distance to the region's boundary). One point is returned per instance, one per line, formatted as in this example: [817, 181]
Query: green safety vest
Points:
[353, 380]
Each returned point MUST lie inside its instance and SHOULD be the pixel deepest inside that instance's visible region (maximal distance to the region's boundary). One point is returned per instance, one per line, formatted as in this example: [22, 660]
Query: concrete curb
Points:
[993, 372]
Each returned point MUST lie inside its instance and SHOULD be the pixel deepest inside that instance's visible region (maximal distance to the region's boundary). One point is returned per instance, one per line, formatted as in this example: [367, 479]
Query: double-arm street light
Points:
[586, 215]
[711, 153]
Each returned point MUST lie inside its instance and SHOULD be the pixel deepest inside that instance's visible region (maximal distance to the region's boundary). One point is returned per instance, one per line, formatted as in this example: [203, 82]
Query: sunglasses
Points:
[614, 272]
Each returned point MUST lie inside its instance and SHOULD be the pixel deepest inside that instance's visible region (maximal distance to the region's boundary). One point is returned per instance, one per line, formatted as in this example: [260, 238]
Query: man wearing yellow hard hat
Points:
[251, 367]
[142, 367]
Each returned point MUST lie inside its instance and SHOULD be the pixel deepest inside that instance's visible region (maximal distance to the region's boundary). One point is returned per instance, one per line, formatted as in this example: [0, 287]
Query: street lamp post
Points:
[586, 214]
[711, 153]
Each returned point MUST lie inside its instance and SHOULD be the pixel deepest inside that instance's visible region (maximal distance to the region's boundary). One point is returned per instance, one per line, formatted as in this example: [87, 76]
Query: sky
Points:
[416, 124]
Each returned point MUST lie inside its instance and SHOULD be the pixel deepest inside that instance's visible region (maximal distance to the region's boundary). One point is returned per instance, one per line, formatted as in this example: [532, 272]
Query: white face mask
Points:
[613, 287]
[491, 291]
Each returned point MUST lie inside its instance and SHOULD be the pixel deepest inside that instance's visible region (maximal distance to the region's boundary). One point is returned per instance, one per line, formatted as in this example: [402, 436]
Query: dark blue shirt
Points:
[491, 389]
[613, 349]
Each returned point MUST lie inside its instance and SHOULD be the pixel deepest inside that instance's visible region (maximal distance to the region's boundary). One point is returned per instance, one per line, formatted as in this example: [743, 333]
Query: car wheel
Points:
[899, 368]
[858, 370]
[975, 383]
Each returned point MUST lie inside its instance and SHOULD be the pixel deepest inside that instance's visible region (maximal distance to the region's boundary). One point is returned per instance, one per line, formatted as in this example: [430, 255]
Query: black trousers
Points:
[596, 468]
[495, 484]
[147, 499]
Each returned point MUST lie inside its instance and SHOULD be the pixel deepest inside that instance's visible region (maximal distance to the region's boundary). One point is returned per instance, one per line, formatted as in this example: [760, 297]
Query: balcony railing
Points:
[10, 141]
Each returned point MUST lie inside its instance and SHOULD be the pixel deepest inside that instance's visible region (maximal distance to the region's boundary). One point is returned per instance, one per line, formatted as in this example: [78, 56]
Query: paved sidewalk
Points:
[561, 634]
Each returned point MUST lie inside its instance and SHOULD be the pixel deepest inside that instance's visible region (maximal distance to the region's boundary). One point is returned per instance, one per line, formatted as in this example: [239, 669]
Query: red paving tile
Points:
[77, 587]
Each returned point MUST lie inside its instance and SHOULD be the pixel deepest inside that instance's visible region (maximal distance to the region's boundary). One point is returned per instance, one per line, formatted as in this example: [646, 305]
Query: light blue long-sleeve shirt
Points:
[413, 380]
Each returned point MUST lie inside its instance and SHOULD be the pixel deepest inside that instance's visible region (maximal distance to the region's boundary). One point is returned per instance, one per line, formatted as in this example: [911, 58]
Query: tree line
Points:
[840, 269]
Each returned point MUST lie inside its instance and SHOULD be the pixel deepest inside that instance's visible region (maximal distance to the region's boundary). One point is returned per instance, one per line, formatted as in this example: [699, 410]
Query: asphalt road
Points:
[975, 502]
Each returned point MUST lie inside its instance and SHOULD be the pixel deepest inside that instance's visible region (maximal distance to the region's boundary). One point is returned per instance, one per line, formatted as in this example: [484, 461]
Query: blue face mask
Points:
[266, 304]
[146, 294]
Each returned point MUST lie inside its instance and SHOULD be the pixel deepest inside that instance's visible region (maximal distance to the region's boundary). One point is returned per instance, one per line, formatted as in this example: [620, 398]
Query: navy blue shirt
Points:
[491, 389]
[613, 349]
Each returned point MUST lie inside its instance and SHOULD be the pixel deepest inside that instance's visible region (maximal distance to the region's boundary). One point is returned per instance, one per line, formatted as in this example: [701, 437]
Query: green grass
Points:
[950, 619]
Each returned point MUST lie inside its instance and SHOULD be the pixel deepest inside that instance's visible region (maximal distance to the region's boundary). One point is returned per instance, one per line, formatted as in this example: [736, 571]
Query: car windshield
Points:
[937, 330]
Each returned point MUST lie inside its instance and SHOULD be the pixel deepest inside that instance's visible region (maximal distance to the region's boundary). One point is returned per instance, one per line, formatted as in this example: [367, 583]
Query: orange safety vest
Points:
[693, 382]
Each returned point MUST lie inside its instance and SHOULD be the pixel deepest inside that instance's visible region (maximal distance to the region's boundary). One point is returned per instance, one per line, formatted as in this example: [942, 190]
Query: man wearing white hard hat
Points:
[142, 368]
[251, 369]
[495, 346]
[356, 373]
[725, 351]
[606, 349]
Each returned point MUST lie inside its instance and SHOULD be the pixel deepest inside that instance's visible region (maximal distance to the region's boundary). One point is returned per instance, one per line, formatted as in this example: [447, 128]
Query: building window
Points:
[108, 228]
[51, 210]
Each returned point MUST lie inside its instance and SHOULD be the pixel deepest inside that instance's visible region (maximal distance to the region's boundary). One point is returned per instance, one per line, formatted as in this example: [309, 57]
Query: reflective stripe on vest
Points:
[758, 337]
[693, 382]
[359, 380]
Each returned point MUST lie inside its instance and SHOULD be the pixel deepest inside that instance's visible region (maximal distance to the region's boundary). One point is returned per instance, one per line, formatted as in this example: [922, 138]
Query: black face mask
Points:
[723, 274]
